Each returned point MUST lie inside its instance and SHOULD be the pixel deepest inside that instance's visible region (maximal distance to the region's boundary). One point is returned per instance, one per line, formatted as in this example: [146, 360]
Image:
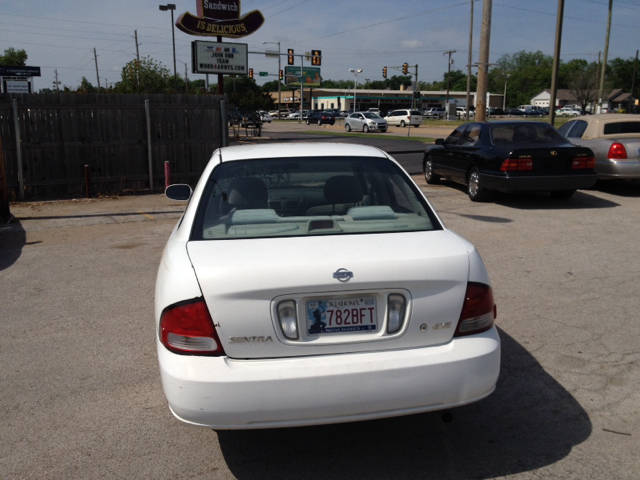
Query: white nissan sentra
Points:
[313, 283]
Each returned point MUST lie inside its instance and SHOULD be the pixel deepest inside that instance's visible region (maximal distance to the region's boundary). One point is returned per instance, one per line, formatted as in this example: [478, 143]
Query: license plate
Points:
[340, 315]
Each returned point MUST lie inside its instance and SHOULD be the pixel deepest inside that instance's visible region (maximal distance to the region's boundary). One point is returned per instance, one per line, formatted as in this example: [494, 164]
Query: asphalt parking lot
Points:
[81, 394]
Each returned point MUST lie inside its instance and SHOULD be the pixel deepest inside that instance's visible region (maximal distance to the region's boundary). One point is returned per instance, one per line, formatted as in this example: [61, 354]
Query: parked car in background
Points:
[567, 112]
[376, 111]
[514, 112]
[365, 121]
[614, 139]
[282, 298]
[461, 113]
[510, 156]
[265, 117]
[495, 111]
[320, 118]
[435, 112]
[404, 117]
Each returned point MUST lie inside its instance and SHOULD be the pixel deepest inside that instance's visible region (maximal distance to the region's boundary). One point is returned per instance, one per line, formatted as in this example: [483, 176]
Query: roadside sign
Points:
[219, 57]
[311, 76]
[264, 74]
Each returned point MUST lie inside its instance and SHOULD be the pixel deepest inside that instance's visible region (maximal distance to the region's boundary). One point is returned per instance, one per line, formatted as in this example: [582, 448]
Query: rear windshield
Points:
[621, 127]
[525, 133]
[310, 196]
[415, 112]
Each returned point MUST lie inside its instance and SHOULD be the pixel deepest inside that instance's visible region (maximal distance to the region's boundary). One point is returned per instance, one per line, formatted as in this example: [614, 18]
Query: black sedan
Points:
[322, 117]
[510, 156]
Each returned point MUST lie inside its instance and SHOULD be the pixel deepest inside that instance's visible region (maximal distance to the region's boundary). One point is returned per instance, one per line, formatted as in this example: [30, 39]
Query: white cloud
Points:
[411, 44]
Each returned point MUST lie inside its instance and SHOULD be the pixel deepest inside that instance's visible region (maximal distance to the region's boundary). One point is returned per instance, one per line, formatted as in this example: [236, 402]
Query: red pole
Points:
[167, 174]
[87, 180]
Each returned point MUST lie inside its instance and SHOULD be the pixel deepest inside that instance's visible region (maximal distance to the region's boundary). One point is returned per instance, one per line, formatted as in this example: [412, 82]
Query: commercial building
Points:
[385, 100]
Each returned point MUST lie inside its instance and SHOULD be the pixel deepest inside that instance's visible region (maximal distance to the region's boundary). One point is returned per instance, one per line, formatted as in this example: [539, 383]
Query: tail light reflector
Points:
[288, 319]
[478, 311]
[395, 313]
[617, 150]
[583, 162]
[516, 164]
[187, 328]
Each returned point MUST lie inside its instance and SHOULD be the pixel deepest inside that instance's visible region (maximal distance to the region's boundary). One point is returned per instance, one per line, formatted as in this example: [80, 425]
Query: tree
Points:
[272, 86]
[14, 57]
[86, 87]
[620, 75]
[145, 76]
[244, 93]
[582, 81]
[530, 73]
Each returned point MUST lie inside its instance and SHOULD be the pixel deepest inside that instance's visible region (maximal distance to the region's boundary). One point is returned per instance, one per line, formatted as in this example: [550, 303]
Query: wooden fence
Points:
[61, 133]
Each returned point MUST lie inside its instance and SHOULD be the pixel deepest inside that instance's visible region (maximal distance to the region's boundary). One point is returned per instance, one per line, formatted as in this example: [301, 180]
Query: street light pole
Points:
[355, 72]
[164, 8]
[448, 80]
[504, 97]
[279, 67]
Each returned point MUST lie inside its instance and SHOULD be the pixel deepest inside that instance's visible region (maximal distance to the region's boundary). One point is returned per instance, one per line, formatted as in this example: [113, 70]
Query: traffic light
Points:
[416, 94]
[384, 72]
[317, 57]
[281, 75]
[290, 56]
[405, 68]
[251, 73]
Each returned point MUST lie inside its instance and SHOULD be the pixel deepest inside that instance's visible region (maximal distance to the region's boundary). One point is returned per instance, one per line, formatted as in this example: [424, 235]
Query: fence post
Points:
[16, 124]
[148, 115]
[167, 174]
[5, 214]
[87, 180]
[223, 123]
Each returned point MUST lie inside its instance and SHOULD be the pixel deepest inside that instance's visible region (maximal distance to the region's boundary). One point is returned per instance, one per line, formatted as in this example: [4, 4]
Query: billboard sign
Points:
[311, 76]
[219, 57]
[220, 18]
[19, 71]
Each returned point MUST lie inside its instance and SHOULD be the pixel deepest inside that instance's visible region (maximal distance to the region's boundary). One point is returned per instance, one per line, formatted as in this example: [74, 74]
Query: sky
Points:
[364, 34]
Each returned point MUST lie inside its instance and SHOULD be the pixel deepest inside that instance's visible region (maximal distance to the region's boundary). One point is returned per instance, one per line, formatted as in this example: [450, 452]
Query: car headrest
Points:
[342, 189]
[247, 193]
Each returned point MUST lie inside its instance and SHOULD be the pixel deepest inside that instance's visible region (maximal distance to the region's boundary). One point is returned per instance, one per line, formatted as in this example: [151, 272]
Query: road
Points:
[81, 394]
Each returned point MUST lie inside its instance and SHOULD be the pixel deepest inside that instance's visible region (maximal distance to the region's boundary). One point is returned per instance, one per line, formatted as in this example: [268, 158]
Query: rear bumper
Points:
[542, 183]
[621, 169]
[222, 393]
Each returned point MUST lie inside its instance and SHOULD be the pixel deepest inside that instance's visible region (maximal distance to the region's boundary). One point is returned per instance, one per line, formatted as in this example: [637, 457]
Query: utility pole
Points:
[469, 63]
[186, 80]
[95, 55]
[56, 83]
[483, 62]
[446, 105]
[604, 60]
[633, 80]
[137, 44]
[556, 64]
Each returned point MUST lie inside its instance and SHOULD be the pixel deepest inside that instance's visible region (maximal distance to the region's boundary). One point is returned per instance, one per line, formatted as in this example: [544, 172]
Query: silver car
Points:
[365, 121]
[615, 140]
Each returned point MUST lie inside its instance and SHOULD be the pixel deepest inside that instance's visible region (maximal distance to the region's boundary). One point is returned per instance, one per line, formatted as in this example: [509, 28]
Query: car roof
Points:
[289, 150]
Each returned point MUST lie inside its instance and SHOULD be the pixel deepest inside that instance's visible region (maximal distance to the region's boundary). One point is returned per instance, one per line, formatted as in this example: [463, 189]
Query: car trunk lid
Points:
[244, 280]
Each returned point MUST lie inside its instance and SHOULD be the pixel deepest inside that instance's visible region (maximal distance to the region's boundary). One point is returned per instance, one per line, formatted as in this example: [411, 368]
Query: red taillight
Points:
[187, 328]
[617, 150]
[478, 311]
[516, 164]
[408, 117]
[583, 162]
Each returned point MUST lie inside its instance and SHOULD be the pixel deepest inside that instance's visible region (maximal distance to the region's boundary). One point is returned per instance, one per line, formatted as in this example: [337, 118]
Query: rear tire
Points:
[429, 176]
[319, 122]
[347, 127]
[332, 122]
[475, 188]
[308, 122]
[402, 124]
[562, 194]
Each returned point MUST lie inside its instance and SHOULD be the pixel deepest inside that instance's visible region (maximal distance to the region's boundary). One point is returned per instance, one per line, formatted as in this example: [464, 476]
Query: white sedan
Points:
[313, 286]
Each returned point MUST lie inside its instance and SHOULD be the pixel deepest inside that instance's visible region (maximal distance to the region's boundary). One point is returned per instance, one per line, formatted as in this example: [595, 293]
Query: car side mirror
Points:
[180, 192]
[439, 141]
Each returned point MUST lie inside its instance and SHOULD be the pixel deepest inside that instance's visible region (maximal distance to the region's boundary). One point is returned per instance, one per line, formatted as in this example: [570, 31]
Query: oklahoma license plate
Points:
[339, 315]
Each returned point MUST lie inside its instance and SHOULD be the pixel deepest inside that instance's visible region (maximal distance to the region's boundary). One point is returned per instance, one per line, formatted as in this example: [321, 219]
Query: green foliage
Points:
[272, 86]
[14, 57]
[146, 76]
[86, 87]
[244, 93]
[619, 74]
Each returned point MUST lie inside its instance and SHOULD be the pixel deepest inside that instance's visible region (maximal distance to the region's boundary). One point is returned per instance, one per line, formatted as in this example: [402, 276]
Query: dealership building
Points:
[385, 100]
